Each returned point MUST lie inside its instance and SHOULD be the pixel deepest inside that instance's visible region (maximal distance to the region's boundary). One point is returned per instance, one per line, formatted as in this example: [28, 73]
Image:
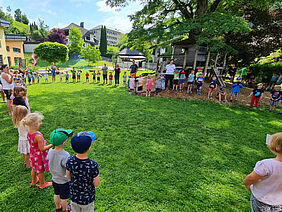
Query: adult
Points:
[117, 73]
[133, 69]
[73, 75]
[2, 91]
[53, 71]
[105, 73]
[232, 72]
[244, 73]
[170, 69]
[7, 85]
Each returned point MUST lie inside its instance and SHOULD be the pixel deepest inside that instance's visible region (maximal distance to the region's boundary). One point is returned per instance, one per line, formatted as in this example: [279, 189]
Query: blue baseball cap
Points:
[82, 141]
[222, 89]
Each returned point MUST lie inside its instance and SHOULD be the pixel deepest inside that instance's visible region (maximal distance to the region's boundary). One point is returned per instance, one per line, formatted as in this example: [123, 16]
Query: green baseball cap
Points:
[59, 136]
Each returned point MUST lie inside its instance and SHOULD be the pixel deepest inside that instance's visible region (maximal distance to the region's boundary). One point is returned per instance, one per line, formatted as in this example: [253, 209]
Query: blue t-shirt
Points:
[257, 92]
[200, 79]
[182, 76]
[236, 87]
[213, 84]
[191, 77]
[82, 189]
[158, 84]
[276, 94]
[78, 73]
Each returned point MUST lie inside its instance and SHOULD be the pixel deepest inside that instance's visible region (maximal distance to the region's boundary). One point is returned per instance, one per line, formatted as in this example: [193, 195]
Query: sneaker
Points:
[198, 93]
[230, 100]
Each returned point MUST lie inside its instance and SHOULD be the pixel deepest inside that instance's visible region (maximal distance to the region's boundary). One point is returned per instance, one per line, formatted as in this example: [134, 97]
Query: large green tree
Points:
[18, 15]
[91, 54]
[103, 41]
[76, 41]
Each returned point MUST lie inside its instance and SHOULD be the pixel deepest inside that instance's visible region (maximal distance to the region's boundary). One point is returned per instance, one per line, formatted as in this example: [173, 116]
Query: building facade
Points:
[113, 36]
[15, 49]
[3, 51]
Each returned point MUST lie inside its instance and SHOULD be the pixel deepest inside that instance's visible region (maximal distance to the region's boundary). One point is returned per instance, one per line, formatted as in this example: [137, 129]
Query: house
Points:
[3, 51]
[87, 35]
[113, 36]
[15, 49]
[30, 45]
[126, 56]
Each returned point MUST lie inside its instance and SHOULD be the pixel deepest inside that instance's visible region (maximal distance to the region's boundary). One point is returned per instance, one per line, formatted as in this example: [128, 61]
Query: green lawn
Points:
[155, 154]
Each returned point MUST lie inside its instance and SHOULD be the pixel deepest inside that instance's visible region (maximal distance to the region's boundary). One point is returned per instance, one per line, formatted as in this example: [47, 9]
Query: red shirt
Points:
[87, 75]
[110, 77]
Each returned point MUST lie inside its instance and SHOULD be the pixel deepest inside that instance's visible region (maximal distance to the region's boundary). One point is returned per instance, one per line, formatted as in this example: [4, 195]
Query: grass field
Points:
[154, 154]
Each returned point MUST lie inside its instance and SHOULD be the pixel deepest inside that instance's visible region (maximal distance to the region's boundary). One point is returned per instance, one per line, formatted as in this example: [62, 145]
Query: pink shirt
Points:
[149, 84]
[131, 83]
[269, 189]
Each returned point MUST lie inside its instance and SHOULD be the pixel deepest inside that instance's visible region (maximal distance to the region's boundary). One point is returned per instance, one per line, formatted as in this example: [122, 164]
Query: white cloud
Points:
[103, 7]
[60, 25]
[80, 0]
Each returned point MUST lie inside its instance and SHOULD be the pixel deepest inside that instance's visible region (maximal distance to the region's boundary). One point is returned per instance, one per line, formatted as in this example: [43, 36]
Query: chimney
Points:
[82, 24]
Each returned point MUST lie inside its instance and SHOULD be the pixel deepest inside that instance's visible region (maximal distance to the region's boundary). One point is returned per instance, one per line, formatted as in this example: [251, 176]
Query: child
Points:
[46, 77]
[199, 83]
[38, 149]
[222, 95]
[33, 78]
[19, 113]
[182, 80]
[275, 97]
[87, 76]
[212, 87]
[149, 86]
[257, 95]
[191, 79]
[158, 86]
[26, 100]
[58, 158]
[61, 76]
[78, 75]
[94, 76]
[111, 78]
[131, 84]
[98, 76]
[73, 75]
[19, 93]
[83, 173]
[265, 181]
[124, 79]
[140, 84]
[67, 77]
[162, 81]
[236, 88]
[273, 81]
[28, 77]
[38, 77]
[175, 80]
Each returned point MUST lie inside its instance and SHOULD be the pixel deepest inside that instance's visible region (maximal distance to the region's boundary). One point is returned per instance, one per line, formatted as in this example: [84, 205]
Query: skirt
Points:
[23, 146]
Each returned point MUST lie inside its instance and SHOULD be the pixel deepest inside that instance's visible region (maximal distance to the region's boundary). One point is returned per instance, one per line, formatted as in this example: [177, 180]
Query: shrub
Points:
[266, 69]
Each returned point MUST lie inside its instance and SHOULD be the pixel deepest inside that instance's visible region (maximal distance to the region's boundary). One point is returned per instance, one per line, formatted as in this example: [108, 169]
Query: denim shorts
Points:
[182, 81]
[234, 93]
[274, 103]
[258, 206]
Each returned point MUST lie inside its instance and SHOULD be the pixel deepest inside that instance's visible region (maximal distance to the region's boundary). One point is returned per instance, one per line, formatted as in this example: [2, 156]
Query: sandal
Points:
[46, 184]
[33, 183]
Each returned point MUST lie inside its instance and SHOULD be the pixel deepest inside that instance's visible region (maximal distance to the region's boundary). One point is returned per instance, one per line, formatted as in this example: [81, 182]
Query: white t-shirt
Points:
[269, 189]
[22, 131]
[5, 84]
[170, 69]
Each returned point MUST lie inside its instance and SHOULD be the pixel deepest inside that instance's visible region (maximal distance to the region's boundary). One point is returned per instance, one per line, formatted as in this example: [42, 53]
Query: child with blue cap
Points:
[83, 173]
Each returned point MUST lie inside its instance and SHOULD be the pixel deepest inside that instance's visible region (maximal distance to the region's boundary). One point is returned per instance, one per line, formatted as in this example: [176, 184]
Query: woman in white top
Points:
[7, 85]
[170, 69]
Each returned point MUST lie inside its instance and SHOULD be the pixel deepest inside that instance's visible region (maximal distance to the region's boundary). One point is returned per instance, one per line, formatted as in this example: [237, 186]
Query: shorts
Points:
[158, 90]
[98, 78]
[274, 103]
[199, 85]
[110, 81]
[190, 83]
[87, 78]
[211, 89]
[234, 93]
[78, 77]
[8, 94]
[124, 80]
[73, 77]
[53, 74]
[104, 76]
[63, 190]
[67, 78]
[260, 206]
[140, 88]
[77, 207]
[182, 81]
[175, 82]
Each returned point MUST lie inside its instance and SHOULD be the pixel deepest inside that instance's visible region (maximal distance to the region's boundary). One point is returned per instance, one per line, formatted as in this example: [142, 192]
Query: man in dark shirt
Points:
[133, 69]
[232, 72]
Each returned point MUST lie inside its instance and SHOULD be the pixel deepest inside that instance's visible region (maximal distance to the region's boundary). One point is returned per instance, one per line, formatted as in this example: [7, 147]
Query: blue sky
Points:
[60, 13]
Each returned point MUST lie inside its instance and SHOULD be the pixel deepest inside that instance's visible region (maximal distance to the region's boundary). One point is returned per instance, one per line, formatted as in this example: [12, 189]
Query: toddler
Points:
[212, 87]
[191, 79]
[182, 80]
[87, 76]
[83, 173]
[257, 95]
[38, 149]
[265, 181]
[175, 80]
[236, 88]
[275, 97]
[149, 86]
[61, 76]
[162, 81]
[199, 83]
[94, 76]
[46, 77]
[140, 84]
[19, 113]
[67, 76]
[222, 95]
[124, 79]
[78, 75]
[38, 77]
[111, 78]
[158, 86]
[33, 78]
[98, 77]
[131, 84]
[19, 93]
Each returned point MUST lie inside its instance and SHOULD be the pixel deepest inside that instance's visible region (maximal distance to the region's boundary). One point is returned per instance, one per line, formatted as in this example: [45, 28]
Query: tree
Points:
[76, 41]
[52, 52]
[18, 15]
[57, 35]
[103, 41]
[24, 19]
[123, 42]
[112, 52]
[91, 54]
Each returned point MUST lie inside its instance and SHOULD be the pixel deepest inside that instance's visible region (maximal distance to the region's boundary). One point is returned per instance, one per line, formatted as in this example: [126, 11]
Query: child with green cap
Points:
[57, 163]
[83, 172]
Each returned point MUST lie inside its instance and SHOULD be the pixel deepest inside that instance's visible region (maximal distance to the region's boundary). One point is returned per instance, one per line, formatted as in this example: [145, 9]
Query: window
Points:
[8, 48]
[17, 61]
[1, 60]
[17, 50]
[9, 61]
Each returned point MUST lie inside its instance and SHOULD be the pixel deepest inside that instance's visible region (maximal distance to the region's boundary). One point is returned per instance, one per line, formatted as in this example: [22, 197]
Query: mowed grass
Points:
[154, 154]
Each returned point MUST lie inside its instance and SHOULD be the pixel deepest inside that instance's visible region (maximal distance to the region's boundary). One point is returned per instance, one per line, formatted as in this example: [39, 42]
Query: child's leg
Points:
[41, 178]
[64, 204]
[57, 201]
[253, 100]
[26, 160]
[257, 101]
[33, 176]
[219, 97]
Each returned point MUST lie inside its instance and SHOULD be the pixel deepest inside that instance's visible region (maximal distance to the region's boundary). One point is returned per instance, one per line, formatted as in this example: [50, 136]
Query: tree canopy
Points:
[76, 41]
[57, 35]
[91, 54]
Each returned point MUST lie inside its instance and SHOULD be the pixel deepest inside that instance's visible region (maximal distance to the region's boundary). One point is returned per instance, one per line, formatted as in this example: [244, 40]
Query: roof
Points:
[82, 30]
[4, 23]
[128, 52]
[132, 57]
[13, 37]
[100, 26]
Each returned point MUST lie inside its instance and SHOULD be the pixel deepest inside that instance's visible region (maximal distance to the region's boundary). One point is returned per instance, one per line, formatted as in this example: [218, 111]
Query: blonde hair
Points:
[18, 114]
[32, 119]
[275, 143]
[17, 90]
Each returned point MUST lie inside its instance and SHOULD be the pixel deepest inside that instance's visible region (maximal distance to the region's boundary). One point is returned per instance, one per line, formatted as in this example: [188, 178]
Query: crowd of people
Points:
[75, 177]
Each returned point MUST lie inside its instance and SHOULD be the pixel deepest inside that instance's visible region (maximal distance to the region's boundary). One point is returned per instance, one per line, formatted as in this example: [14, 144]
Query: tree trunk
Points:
[195, 58]
[185, 59]
[216, 59]
[202, 7]
[207, 62]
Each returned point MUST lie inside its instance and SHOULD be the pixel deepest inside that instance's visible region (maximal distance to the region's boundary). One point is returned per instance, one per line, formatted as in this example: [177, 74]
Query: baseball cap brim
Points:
[92, 135]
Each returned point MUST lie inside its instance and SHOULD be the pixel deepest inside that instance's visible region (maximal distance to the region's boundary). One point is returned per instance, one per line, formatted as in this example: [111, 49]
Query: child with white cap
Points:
[83, 172]
[58, 158]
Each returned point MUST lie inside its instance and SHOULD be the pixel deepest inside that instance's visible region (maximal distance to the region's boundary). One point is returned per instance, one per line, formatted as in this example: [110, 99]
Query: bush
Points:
[52, 52]
[266, 69]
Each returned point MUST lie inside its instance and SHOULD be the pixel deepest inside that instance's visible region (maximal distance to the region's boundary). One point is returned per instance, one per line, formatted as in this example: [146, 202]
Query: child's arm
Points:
[69, 174]
[252, 178]
[261, 96]
[250, 94]
[39, 140]
[96, 181]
